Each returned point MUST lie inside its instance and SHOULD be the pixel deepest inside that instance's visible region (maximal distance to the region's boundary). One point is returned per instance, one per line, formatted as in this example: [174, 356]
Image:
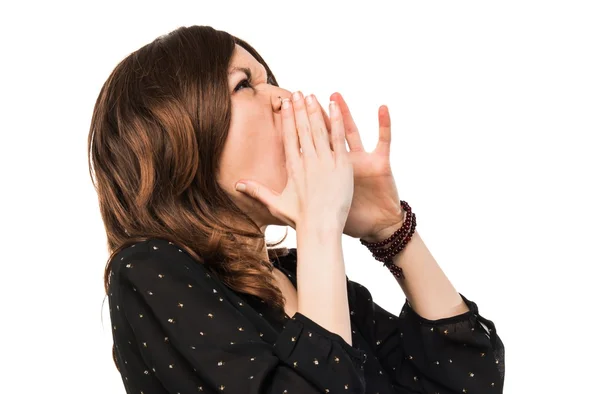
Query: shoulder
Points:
[152, 257]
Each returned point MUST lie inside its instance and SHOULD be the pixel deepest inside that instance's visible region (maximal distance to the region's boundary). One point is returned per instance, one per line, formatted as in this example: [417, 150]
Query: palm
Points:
[375, 203]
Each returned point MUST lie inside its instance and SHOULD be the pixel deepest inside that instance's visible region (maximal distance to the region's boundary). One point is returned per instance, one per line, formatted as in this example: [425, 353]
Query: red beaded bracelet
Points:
[398, 241]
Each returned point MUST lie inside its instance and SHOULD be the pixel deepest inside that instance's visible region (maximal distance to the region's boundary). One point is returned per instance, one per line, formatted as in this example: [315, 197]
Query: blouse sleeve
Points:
[175, 333]
[460, 354]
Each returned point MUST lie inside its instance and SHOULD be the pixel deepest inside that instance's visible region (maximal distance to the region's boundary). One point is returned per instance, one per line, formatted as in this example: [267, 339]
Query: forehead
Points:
[243, 59]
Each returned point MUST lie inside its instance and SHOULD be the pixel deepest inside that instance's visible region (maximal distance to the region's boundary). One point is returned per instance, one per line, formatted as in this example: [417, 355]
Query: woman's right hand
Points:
[320, 182]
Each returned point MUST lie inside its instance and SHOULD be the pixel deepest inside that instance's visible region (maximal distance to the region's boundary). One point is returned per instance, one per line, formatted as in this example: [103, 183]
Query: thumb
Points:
[257, 191]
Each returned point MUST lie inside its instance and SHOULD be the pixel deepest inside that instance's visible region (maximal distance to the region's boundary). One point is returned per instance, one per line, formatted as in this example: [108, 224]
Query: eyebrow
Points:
[245, 70]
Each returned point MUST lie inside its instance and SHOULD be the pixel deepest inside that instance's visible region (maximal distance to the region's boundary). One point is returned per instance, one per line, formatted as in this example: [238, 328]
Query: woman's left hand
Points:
[375, 212]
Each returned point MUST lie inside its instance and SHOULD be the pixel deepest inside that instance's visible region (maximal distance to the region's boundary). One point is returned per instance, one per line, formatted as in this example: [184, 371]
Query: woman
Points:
[199, 302]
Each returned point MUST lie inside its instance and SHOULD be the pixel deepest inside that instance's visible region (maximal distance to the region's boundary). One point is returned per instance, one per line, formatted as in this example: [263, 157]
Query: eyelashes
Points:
[247, 83]
[243, 82]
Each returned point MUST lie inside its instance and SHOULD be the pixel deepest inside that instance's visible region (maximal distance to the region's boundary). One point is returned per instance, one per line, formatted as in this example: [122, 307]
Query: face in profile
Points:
[254, 145]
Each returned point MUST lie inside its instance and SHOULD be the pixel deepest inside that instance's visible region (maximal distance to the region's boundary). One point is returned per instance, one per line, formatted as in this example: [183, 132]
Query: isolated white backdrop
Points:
[495, 124]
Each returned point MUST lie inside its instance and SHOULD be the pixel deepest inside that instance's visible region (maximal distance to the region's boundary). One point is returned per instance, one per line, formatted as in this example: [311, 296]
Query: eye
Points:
[243, 83]
[247, 83]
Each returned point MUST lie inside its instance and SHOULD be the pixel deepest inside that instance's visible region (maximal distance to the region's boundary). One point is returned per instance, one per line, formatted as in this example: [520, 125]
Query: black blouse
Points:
[178, 329]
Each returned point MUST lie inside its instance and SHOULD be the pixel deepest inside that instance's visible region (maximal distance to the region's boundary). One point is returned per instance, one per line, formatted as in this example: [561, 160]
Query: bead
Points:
[401, 237]
[407, 211]
[390, 253]
[397, 242]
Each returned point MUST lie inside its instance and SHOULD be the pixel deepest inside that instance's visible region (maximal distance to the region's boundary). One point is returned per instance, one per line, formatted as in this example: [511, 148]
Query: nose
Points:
[277, 98]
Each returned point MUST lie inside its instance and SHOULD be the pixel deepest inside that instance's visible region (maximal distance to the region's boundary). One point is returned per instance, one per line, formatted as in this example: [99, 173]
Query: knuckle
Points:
[303, 129]
[342, 161]
[335, 116]
[335, 138]
[312, 109]
[309, 153]
[299, 106]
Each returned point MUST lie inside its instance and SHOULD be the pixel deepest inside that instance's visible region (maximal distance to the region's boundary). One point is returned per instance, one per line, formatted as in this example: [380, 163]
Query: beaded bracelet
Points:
[398, 241]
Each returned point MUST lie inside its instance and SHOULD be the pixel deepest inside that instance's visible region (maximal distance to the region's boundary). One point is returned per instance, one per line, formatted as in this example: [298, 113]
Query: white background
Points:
[495, 112]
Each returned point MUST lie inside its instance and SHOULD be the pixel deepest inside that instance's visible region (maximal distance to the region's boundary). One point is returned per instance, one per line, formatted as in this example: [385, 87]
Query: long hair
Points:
[157, 132]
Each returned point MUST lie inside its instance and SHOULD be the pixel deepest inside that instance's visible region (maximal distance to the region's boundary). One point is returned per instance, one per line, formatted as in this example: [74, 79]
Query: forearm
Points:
[426, 287]
[321, 279]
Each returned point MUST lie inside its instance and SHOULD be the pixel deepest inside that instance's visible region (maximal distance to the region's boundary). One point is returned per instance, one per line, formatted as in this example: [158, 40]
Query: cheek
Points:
[272, 153]
[280, 149]
[262, 157]
[274, 163]
[254, 148]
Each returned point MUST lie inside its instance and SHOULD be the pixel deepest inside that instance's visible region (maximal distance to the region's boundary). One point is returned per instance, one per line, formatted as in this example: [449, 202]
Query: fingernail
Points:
[240, 187]
[297, 96]
[285, 104]
[333, 107]
[309, 99]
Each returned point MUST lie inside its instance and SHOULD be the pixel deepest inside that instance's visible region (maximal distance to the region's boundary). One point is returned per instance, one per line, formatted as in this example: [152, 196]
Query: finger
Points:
[290, 135]
[317, 126]
[267, 196]
[385, 132]
[328, 125]
[352, 135]
[326, 118]
[303, 125]
[337, 132]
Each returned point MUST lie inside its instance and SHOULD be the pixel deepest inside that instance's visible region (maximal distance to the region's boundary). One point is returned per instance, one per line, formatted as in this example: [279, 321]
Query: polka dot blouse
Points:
[178, 329]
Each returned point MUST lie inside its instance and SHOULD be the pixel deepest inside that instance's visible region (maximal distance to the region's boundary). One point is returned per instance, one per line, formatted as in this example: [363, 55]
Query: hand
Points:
[320, 185]
[375, 212]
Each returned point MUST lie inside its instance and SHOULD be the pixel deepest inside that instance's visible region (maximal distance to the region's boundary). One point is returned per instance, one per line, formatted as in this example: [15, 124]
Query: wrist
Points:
[386, 232]
[319, 229]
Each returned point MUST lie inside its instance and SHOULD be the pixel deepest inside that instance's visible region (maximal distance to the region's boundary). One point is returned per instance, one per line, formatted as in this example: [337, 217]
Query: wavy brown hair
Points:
[157, 132]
